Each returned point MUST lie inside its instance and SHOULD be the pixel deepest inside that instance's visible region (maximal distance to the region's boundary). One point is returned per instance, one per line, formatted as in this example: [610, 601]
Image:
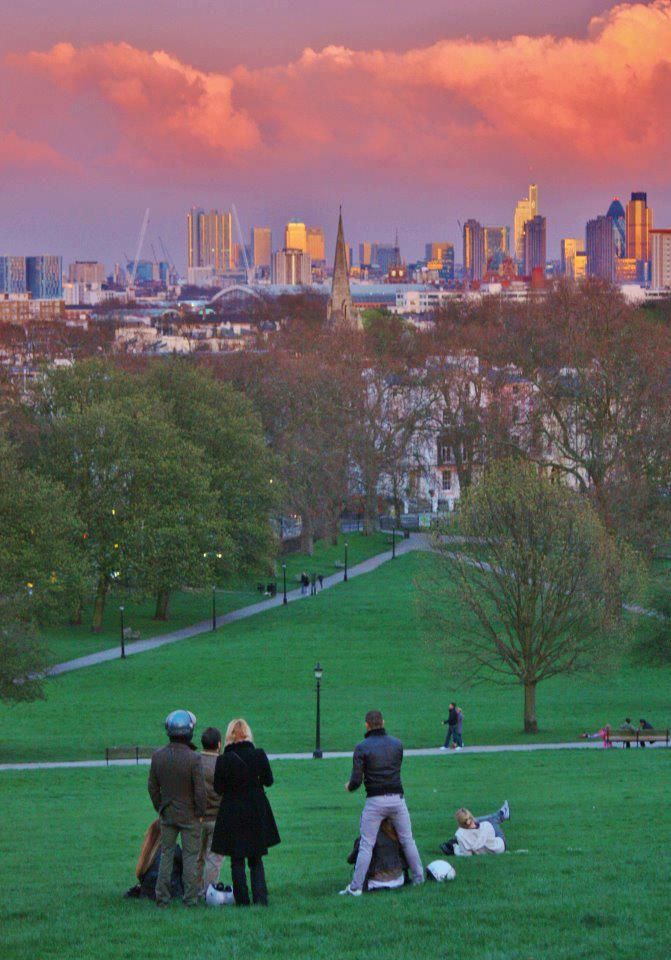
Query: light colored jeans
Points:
[375, 810]
[209, 864]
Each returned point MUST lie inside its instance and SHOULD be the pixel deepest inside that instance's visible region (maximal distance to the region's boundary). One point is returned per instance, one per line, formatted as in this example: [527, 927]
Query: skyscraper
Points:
[86, 271]
[443, 253]
[616, 213]
[600, 244]
[365, 254]
[638, 226]
[474, 250]
[13, 275]
[339, 310]
[296, 236]
[209, 239]
[497, 245]
[660, 254]
[316, 244]
[526, 209]
[535, 243]
[292, 268]
[570, 247]
[262, 247]
[44, 277]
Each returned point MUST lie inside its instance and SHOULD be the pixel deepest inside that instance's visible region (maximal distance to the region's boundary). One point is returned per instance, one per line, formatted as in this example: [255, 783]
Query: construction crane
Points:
[169, 260]
[248, 269]
[140, 241]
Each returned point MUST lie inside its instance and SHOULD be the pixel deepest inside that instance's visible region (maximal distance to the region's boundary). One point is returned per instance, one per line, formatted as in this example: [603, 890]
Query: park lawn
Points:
[187, 607]
[581, 880]
[368, 636]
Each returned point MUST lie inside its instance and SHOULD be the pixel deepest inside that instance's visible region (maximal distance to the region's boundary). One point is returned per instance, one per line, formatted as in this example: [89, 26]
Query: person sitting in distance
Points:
[388, 868]
[148, 864]
[479, 835]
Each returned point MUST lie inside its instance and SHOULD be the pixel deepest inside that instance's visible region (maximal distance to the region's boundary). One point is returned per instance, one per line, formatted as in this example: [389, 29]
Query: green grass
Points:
[368, 636]
[593, 883]
[187, 607]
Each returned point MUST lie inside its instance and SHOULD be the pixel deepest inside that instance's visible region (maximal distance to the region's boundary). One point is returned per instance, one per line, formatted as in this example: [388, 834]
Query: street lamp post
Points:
[122, 636]
[284, 583]
[317, 752]
[346, 546]
[214, 608]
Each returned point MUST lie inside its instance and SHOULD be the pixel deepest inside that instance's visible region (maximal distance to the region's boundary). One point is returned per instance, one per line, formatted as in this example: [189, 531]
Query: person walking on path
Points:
[245, 826]
[177, 790]
[455, 720]
[320, 577]
[305, 583]
[377, 763]
[313, 584]
[209, 864]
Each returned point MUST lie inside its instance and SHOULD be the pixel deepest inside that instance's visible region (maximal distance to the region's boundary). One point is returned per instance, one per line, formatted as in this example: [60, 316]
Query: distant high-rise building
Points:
[316, 244]
[616, 213]
[365, 254]
[339, 310]
[44, 277]
[600, 244]
[570, 247]
[262, 247]
[86, 271]
[209, 238]
[580, 265]
[535, 244]
[13, 275]
[638, 226]
[292, 268]
[497, 245]
[385, 256]
[296, 236]
[660, 254]
[526, 209]
[474, 250]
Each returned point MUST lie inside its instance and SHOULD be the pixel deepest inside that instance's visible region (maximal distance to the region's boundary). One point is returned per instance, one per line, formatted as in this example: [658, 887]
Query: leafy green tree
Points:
[23, 659]
[544, 583]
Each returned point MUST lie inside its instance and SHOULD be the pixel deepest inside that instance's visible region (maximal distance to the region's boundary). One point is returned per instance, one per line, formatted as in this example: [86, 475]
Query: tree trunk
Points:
[99, 605]
[530, 721]
[307, 539]
[162, 601]
[77, 614]
[370, 511]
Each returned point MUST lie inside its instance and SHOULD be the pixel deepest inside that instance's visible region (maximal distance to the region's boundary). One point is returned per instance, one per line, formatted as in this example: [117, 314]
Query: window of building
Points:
[447, 479]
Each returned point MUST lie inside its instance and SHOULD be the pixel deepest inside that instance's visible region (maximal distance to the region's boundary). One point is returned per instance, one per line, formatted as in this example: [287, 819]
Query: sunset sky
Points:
[412, 115]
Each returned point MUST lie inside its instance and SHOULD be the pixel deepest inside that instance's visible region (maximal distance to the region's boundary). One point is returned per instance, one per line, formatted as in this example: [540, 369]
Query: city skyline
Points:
[91, 133]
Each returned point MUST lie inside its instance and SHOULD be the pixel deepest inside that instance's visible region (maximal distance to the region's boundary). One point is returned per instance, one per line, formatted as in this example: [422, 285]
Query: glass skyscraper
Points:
[44, 277]
[12, 275]
[616, 213]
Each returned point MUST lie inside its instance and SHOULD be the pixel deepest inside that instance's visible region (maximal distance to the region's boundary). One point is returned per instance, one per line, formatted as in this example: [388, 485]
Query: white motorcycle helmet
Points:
[440, 870]
[217, 895]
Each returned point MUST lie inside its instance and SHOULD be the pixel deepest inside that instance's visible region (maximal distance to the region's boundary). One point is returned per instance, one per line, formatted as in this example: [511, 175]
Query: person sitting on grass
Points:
[148, 864]
[388, 867]
[479, 835]
[602, 734]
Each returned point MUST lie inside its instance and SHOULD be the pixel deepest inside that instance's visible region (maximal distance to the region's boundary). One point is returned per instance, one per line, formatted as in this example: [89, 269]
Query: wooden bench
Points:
[128, 753]
[130, 634]
[639, 737]
[339, 565]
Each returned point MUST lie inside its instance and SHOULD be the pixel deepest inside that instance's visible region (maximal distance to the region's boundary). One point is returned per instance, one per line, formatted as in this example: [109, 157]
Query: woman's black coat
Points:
[245, 824]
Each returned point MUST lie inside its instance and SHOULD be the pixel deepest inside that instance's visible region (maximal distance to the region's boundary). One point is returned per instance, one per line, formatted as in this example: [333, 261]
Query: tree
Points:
[544, 585]
[23, 659]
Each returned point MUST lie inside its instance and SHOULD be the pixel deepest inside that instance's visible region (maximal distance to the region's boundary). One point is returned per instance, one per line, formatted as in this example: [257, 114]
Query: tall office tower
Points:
[209, 239]
[497, 245]
[535, 243]
[262, 247]
[569, 248]
[339, 309]
[385, 256]
[442, 253]
[13, 275]
[616, 213]
[600, 244]
[580, 265]
[365, 254]
[638, 225]
[660, 254]
[86, 271]
[316, 244]
[44, 277]
[526, 209]
[296, 236]
[292, 268]
[474, 250]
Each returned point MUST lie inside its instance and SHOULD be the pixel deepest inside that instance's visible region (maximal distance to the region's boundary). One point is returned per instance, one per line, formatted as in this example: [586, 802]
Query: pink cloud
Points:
[568, 106]
[19, 153]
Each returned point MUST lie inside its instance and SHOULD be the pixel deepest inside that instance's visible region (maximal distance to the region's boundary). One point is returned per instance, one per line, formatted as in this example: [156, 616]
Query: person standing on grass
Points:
[177, 790]
[454, 720]
[377, 763]
[209, 864]
[245, 826]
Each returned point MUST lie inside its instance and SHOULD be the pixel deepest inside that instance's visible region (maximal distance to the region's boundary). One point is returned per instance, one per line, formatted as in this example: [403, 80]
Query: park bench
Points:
[339, 565]
[130, 634]
[128, 753]
[639, 736]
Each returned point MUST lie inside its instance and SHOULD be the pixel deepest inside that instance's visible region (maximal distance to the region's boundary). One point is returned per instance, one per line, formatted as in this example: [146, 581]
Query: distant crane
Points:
[140, 241]
[169, 260]
[248, 269]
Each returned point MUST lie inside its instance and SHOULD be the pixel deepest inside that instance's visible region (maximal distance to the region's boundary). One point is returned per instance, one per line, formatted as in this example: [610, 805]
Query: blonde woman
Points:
[148, 863]
[245, 826]
[478, 835]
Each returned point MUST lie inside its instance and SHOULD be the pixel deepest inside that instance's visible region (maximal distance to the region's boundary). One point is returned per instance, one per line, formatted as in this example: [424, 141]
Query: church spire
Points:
[340, 311]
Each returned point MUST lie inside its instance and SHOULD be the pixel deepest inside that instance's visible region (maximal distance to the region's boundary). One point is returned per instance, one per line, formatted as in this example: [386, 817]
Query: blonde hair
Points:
[463, 816]
[238, 730]
[150, 847]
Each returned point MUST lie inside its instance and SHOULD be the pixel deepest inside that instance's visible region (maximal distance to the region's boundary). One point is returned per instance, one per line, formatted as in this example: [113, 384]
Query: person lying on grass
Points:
[478, 835]
[388, 866]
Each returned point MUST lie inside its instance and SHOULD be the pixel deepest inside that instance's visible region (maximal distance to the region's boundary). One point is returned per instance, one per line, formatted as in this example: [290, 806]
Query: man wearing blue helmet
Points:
[177, 789]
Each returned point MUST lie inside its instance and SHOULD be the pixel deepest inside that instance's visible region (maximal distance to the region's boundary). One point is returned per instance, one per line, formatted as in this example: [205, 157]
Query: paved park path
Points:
[415, 542]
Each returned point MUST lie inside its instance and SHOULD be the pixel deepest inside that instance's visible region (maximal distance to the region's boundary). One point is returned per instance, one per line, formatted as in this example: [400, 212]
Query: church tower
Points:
[340, 311]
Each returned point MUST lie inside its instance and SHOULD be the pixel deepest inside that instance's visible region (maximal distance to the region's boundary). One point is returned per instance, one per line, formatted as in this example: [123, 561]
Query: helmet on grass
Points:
[217, 895]
[440, 870]
[180, 723]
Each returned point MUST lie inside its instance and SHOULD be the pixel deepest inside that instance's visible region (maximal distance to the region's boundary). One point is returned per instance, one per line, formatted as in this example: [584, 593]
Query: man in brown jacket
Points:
[177, 790]
[209, 864]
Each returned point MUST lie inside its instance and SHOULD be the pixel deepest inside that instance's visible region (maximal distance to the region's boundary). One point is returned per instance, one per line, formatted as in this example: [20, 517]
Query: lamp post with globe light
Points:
[317, 752]
[122, 632]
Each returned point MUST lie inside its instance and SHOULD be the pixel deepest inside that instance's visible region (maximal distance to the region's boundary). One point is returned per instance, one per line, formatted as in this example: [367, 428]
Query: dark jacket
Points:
[208, 761]
[388, 860]
[176, 785]
[245, 824]
[377, 762]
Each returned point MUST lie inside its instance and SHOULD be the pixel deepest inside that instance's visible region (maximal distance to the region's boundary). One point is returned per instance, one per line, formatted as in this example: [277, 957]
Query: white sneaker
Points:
[457, 748]
[505, 811]
[348, 890]
[443, 748]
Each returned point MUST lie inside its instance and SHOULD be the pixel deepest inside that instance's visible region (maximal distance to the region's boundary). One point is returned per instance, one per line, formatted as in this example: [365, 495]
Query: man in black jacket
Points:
[377, 763]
